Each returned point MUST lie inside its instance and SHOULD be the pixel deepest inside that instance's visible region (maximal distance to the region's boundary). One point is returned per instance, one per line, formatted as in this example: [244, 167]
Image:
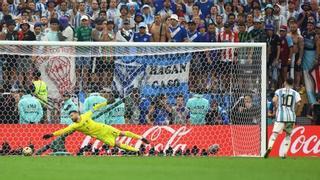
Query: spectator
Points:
[112, 11]
[205, 7]
[54, 33]
[244, 35]
[38, 31]
[219, 24]
[67, 106]
[117, 114]
[231, 21]
[216, 115]
[273, 54]
[211, 35]
[94, 10]
[158, 30]
[108, 33]
[8, 108]
[258, 33]
[250, 22]
[198, 107]
[133, 114]
[40, 91]
[309, 59]
[66, 29]
[147, 14]
[138, 18]
[142, 35]
[193, 34]
[124, 15]
[80, 14]
[280, 20]
[211, 18]
[247, 113]
[269, 17]
[291, 12]
[159, 111]
[83, 63]
[25, 34]
[180, 113]
[12, 34]
[97, 32]
[177, 33]
[62, 10]
[286, 46]
[297, 54]
[166, 11]
[304, 16]
[125, 33]
[5, 11]
[30, 109]
[93, 99]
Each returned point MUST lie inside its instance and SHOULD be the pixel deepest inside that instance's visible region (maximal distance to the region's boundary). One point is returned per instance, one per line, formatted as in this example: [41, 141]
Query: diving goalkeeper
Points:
[105, 133]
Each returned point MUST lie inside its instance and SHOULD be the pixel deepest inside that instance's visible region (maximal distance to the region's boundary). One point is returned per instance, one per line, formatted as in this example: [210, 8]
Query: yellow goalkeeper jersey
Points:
[86, 125]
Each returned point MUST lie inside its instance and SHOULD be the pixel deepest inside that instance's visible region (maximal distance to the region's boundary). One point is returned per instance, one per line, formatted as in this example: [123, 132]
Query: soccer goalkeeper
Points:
[105, 133]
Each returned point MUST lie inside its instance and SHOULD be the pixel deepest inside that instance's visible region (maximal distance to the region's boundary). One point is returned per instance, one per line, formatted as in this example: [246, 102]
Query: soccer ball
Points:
[213, 149]
[27, 151]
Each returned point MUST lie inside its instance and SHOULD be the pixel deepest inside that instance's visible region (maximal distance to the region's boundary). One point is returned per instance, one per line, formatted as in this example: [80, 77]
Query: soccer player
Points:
[285, 100]
[105, 133]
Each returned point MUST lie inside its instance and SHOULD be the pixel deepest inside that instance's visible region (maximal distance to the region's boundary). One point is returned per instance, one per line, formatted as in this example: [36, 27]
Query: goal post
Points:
[187, 94]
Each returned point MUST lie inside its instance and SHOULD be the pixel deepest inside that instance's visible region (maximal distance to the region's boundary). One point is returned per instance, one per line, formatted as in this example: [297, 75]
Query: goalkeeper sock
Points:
[133, 135]
[287, 141]
[272, 140]
[128, 148]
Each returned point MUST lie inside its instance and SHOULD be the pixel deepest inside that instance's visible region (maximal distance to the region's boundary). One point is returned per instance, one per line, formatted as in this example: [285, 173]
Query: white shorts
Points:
[278, 127]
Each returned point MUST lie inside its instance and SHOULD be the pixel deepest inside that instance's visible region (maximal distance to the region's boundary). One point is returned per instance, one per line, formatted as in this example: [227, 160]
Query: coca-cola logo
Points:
[300, 142]
[156, 136]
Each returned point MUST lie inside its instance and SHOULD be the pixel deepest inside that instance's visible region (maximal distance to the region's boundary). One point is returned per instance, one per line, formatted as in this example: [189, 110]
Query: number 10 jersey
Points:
[287, 100]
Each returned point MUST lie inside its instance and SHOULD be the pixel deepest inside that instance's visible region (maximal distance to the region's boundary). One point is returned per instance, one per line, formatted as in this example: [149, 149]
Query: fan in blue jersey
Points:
[177, 32]
[285, 100]
[142, 35]
[193, 34]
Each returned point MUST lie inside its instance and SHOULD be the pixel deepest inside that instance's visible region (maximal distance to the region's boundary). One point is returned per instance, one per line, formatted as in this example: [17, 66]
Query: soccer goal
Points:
[183, 97]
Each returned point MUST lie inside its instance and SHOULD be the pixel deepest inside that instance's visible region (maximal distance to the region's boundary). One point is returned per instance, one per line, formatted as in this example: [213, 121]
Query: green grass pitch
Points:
[154, 168]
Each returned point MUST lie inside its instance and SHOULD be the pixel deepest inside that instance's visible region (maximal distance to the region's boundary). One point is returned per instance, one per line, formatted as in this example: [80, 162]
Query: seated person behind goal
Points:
[105, 133]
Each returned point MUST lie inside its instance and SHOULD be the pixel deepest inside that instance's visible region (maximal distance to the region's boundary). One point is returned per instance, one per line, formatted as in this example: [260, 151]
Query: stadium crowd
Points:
[291, 30]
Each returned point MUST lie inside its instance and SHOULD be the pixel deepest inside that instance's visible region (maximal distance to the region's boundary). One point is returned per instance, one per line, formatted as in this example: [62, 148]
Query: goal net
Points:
[186, 98]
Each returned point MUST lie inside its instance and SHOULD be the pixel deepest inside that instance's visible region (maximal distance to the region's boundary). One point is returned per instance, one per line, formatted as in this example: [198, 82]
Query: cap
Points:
[64, 21]
[142, 25]
[269, 27]
[24, 22]
[84, 17]
[145, 6]
[175, 17]
[306, 6]
[201, 26]
[283, 28]
[268, 6]
[37, 24]
[54, 21]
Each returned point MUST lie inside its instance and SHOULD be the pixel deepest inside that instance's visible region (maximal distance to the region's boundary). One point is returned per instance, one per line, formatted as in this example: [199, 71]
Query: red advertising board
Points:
[232, 140]
[305, 141]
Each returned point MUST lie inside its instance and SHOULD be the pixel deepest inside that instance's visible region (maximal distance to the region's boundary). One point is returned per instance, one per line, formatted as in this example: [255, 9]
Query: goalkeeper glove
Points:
[47, 136]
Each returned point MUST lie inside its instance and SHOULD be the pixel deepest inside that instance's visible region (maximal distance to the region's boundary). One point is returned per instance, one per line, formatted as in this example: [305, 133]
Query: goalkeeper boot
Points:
[144, 140]
[266, 155]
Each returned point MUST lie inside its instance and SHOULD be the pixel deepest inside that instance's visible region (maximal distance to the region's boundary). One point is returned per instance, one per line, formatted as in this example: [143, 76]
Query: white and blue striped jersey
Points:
[287, 100]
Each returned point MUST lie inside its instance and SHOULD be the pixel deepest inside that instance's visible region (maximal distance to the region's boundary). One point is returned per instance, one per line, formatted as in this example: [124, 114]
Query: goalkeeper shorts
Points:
[111, 135]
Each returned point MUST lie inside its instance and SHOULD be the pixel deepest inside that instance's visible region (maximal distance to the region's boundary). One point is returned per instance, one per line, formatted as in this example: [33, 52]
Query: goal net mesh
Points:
[184, 99]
